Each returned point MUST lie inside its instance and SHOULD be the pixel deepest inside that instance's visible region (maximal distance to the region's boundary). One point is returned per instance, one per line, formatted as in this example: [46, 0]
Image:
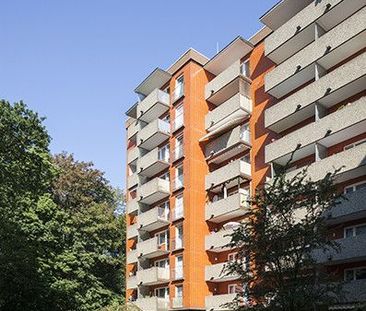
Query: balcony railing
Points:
[177, 244]
[153, 191]
[178, 182]
[217, 241]
[153, 219]
[231, 207]
[178, 153]
[153, 276]
[153, 162]
[153, 106]
[154, 134]
[176, 273]
[152, 248]
[217, 302]
[178, 213]
[178, 92]
[178, 122]
[132, 231]
[152, 303]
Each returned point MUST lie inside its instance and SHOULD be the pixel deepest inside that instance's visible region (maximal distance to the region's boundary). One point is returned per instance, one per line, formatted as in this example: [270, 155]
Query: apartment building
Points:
[206, 132]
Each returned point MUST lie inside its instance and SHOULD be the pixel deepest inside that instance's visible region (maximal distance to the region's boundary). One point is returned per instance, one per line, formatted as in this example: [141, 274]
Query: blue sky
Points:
[77, 61]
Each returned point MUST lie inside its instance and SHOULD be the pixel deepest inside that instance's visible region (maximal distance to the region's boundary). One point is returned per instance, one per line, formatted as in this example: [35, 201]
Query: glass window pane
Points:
[348, 275]
[360, 274]
[348, 232]
[361, 186]
[361, 230]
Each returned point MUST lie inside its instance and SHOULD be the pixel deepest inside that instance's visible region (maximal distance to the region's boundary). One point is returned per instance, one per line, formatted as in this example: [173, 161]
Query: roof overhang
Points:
[190, 54]
[283, 11]
[235, 50]
[132, 111]
[155, 80]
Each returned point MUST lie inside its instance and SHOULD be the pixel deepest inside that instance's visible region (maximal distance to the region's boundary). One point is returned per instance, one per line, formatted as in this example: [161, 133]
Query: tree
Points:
[61, 247]
[89, 266]
[26, 173]
[284, 230]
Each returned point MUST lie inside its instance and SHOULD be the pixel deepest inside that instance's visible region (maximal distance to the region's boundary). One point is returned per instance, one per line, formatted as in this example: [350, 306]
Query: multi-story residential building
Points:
[207, 132]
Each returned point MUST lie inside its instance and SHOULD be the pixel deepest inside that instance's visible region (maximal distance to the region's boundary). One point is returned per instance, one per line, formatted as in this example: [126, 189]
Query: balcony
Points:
[237, 107]
[352, 163]
[132, 231]
[132, 206]
[132, 180]
[229, 174]
[153, 276]
[153, 219]
[228, 83]
[153, 191]
[154, 134]
[355, 291]
[133, 128]
[228, 145]
[231, 207]
[216, 302]
[152, 163]
[300, 30]
[215, 273]
[333, 88]
[217, 241]
[131, 282]
[352, 249]
[334, 46]
[131, 256]
[153, 106]
[352, 208]
[153, 304]
[177, 302]
[151, 248]
[350, 121]
[132, 155]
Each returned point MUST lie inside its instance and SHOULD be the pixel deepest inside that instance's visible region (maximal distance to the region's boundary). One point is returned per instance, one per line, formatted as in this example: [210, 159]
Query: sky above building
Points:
[78, 62]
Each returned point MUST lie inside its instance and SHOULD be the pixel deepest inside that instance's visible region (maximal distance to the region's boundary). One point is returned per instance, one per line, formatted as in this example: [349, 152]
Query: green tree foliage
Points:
[283, 232]
[61, 247]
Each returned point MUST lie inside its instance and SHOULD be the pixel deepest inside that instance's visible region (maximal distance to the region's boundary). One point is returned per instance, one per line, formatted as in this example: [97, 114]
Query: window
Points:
[164, 210]
[355, 231]
[232, 257]
[358, 143]
[163, 237]
[178, 152]
[179, 87]
[355, 187]
[179, 267]
[231, 289]
[179, 237]
[245, 70]
[245, 133]
[165, 176]
[162, 292]
[179, 117]
[162, 263]
[179, 291]
[163, 153]
[355, 274]
[178, 210]
[179, 177]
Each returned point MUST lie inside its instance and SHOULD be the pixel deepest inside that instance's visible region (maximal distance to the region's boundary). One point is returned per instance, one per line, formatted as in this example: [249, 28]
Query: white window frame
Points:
[353, 186]
[354, 272]
[245, 68]
[353, 229]
[166, 289]
[230, 255]
[230, 286]
[181, 180]
[177, 227]
[176, 291]
[156, 263]
[176, 84]
[157, 235]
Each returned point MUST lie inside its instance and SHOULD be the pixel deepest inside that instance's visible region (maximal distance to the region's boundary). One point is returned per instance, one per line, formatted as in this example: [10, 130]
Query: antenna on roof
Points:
[217, 47]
